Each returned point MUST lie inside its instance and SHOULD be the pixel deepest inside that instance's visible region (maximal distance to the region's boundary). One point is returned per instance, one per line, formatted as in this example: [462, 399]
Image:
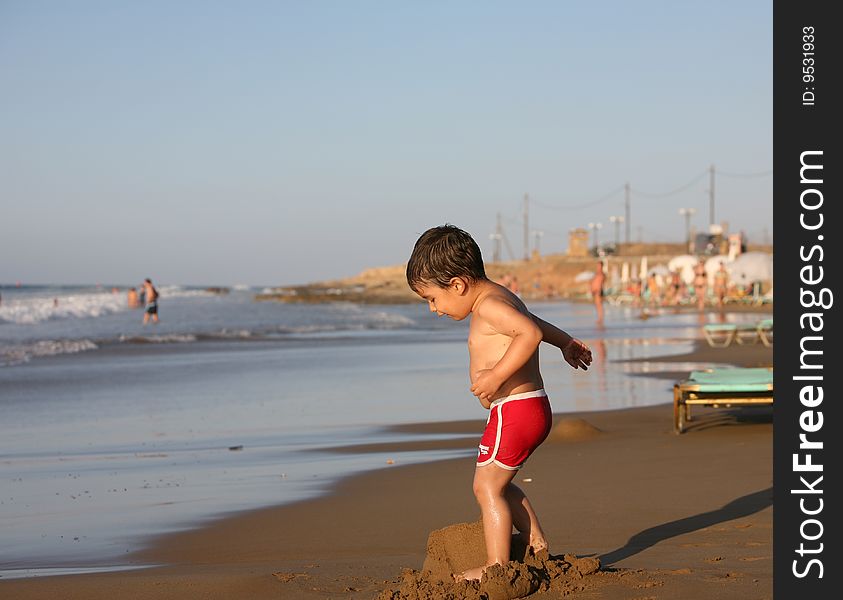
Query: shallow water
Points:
[100, 449]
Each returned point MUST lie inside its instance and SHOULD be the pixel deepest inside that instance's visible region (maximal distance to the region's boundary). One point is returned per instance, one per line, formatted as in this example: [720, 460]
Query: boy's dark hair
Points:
[442, 253]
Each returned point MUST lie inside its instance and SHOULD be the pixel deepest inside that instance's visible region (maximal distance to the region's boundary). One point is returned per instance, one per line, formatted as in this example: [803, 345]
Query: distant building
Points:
[578, 242]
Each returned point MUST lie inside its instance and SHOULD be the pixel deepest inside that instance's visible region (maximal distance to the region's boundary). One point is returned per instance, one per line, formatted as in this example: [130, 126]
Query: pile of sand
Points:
[459, 547]
[572, 429]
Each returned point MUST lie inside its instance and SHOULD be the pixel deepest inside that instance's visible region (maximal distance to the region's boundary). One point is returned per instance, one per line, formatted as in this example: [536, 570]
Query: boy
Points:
[446, 269]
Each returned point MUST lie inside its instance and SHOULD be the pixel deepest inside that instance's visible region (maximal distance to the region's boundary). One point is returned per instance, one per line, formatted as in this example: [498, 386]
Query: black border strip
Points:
[803, 122]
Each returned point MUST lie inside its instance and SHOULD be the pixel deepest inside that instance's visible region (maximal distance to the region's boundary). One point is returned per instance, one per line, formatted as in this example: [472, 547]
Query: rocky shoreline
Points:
[550, 277]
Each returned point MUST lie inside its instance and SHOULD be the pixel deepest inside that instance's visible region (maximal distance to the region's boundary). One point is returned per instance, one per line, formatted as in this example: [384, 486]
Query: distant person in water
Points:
[151, 299]
[597, 290]
[132, 298]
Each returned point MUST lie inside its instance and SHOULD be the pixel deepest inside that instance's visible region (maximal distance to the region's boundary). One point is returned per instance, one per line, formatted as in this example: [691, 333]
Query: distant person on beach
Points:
[446, 270]
[674, 289]
[721, 284]
[151, 299]
[132, 298]
[700, 284]
[651, 290]
[597, 292]
[635, 292]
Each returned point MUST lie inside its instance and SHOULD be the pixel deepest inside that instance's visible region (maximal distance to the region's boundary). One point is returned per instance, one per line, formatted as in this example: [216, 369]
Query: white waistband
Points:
[521, 396]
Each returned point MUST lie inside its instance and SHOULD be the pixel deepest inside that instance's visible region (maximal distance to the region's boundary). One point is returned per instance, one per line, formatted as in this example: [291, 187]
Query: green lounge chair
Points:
[720, 335]
[765, 331]
[747, 333]
[721, 388]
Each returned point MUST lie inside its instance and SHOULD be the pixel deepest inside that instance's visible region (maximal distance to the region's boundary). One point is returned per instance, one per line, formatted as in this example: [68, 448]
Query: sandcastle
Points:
[459, 547]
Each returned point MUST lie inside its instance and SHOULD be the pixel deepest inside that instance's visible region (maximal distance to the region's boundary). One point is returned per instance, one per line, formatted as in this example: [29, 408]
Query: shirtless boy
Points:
[446, 270]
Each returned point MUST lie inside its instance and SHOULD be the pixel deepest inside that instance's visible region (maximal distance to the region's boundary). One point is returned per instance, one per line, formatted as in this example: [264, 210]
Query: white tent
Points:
[750, 267]
[684, 263]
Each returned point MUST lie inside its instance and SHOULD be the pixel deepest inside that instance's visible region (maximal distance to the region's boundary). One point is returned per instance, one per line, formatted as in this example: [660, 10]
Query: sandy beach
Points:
[669, 516]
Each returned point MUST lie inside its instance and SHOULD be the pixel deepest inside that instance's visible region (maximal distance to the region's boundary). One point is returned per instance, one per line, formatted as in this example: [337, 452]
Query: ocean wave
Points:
[380, 322]
[177, 291]
[12, 355]
[166, 338]
[34, 310]
[356, 316]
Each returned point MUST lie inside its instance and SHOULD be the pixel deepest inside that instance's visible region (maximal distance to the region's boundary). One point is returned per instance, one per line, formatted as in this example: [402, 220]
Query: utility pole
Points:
[711, 196]
[627, 209]
[526, 227]
[496, 237]
[537, 238]
[617, 220]
[687, 213]
[595, 227]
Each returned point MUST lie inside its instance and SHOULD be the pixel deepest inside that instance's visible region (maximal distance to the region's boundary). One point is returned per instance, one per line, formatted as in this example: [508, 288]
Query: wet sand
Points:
[669, 516]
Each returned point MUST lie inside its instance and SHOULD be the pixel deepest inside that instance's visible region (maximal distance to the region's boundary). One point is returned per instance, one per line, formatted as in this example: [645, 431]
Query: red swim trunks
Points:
[516, 426]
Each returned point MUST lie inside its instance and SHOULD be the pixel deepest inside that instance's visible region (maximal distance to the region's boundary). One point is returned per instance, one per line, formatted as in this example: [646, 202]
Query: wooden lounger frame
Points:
[687, 394]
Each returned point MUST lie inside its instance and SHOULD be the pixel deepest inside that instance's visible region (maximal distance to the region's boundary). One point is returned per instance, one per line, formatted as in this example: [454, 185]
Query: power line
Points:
[578, 206]
[681, 188]
[628, 191]
[758, 174]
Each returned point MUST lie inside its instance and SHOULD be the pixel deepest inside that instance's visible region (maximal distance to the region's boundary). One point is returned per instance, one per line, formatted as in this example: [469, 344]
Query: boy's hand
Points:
[485, 386]
[577, 354]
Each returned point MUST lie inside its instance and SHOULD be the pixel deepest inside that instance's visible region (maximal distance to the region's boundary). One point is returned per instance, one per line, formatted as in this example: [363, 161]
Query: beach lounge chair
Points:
[719, 335]
[725, 387]
[765, 331]
[746, 333]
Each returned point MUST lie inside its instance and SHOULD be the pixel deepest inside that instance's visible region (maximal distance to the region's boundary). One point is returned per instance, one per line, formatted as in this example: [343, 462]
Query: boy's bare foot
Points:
[534, 545]
[470, 574]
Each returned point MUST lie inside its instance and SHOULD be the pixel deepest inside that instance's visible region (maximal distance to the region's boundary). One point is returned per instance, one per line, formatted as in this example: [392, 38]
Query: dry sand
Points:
[667, 516]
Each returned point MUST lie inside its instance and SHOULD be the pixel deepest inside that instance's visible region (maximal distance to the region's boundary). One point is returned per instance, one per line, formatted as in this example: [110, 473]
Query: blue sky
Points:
[285, 142]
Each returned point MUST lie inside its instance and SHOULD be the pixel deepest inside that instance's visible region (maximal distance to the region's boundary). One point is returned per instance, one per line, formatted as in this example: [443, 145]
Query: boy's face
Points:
[450, 301]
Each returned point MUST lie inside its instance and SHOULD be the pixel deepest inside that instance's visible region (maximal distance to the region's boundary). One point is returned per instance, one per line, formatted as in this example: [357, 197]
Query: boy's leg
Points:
[490, 486]
[524, 518]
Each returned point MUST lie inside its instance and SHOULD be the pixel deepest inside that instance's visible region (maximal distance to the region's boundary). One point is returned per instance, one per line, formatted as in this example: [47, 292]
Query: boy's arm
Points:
[526, 337]
[575, 352]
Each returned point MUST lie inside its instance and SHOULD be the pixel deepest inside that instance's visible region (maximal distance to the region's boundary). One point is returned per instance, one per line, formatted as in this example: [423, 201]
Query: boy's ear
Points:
[459, 285]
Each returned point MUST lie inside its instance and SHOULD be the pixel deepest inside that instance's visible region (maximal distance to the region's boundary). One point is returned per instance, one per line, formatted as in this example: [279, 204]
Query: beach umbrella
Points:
[684, 263]
[625, 273]
[614, 275]
[584, 276]
[750, 267]
[642, 271]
